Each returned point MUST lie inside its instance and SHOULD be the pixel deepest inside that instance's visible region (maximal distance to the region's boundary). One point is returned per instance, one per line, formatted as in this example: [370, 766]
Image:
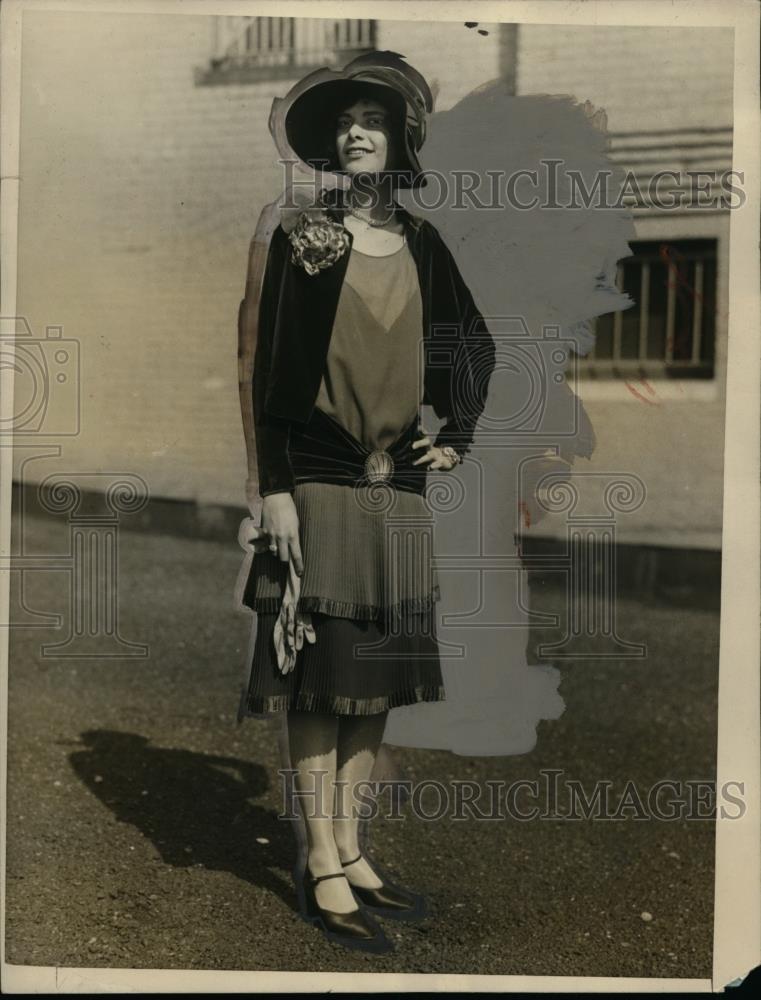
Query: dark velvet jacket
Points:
[296, 314]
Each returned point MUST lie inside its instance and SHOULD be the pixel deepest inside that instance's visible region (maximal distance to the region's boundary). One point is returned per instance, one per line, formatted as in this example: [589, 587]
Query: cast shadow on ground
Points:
[195, 808]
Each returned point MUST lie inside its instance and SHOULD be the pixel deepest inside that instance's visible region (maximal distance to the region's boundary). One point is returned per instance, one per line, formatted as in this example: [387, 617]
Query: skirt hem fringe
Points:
[332, 705]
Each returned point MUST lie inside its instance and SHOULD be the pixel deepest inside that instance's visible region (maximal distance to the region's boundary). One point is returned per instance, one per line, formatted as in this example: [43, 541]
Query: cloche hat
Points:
[301, 123]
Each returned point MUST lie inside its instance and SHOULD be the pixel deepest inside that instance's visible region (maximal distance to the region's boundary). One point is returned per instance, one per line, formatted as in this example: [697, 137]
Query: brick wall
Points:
[645, 78]
[139, 195]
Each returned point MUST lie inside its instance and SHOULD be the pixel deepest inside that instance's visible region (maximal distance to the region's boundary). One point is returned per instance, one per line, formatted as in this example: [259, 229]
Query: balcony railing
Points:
[249, 49]
[670, 331]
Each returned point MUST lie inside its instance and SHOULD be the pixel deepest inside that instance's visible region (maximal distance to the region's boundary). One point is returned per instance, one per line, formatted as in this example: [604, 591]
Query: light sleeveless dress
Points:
[369, 581]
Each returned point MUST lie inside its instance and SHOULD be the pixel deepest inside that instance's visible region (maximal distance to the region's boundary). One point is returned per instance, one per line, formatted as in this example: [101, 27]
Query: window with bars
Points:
[670, 332]
[247, 49]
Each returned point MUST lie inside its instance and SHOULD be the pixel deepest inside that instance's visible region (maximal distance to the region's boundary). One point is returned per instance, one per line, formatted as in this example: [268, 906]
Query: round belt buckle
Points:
[379, 467]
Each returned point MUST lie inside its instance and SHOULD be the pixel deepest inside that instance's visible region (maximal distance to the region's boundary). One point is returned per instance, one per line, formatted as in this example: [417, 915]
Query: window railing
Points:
[247, 49]
[670, 332]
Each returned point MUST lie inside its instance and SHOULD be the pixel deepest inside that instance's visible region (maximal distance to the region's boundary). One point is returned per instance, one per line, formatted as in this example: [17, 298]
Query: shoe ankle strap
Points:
[321, 878]
[347, 863]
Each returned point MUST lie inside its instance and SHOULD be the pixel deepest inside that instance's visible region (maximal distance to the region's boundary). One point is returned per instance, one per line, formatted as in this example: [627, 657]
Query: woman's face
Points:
[363, 138]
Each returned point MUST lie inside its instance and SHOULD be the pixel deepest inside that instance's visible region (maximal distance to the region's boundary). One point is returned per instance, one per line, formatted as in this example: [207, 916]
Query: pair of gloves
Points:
[292, 627]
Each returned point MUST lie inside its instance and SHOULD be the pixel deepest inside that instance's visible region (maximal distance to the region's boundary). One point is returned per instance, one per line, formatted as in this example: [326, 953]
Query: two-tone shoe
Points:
[389, 900]
[355, 929]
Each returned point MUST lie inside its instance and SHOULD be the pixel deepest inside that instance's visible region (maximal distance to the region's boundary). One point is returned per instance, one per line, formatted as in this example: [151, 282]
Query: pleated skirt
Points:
[370, 587]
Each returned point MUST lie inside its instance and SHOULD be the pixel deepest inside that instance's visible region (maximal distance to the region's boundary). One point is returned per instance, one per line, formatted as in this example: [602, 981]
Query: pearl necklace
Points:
[371, 222]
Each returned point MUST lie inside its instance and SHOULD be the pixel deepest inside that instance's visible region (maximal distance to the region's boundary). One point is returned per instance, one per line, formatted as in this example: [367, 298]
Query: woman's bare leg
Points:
[359, 737]
[312, 741]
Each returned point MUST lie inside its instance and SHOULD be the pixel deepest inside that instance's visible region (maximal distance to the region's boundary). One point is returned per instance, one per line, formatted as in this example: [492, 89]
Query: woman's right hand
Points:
[281, 522]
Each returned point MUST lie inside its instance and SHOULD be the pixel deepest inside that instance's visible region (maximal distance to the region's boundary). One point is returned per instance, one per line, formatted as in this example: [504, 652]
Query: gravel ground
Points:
[143, 829]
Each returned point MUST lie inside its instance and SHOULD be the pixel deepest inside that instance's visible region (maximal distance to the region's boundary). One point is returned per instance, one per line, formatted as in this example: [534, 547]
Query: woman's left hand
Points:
[434, 456]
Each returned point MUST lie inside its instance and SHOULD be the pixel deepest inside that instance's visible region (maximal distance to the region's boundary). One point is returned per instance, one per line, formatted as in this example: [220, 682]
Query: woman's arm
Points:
[270, 482]
[248, 321]
[473, 361]
[272, 433]
[266, 437]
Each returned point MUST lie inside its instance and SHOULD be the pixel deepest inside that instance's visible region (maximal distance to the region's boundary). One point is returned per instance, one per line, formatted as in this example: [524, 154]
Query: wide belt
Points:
[323, 451]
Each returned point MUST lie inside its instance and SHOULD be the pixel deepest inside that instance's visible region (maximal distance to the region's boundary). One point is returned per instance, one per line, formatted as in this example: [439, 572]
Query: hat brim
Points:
[309, 124]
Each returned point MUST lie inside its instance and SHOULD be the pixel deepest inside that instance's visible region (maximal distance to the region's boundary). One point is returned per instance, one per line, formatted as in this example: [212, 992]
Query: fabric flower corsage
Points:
[317, 241]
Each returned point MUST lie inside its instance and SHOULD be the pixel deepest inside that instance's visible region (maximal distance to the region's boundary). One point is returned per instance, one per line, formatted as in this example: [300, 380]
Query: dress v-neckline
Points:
[371, 315]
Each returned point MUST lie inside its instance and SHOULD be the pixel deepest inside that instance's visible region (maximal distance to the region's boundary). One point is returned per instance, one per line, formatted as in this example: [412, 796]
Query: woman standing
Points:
[362, 318]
